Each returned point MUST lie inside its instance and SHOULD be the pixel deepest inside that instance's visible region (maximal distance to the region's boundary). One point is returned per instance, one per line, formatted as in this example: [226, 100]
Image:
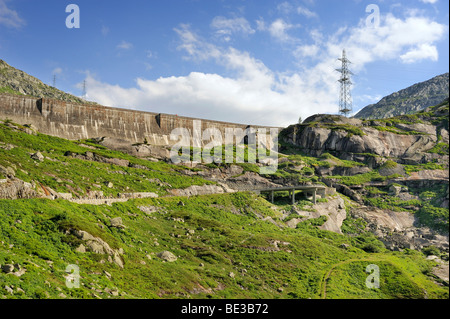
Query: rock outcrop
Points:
[90, 156]
[198, 190]
[17, 189]
[318, 140]
[408, 140]
[97, 245]
[333, 209]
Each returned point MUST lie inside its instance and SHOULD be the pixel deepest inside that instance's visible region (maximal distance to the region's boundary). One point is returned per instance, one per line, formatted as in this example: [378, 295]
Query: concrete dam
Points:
[83, 121]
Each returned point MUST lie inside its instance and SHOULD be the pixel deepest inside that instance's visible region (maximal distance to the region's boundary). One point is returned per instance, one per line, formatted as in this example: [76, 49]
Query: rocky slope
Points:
[410, 100]
[388, 167]
[138, 226]
[16, 81]
[198, 234]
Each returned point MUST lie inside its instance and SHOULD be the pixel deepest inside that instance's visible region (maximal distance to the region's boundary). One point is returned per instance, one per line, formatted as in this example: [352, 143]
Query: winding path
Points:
[327, 275]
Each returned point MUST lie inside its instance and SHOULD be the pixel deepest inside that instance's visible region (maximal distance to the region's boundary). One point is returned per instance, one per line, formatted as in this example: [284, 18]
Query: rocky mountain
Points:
[410, 100]
[15, 81]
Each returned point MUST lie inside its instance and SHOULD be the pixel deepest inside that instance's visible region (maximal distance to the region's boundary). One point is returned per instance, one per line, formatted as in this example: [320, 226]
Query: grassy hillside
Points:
[227, 245]
[224, 250]
[62, 171]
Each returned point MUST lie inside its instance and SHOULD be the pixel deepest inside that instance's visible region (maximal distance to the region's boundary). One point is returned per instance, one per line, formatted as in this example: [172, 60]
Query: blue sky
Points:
[254, 61]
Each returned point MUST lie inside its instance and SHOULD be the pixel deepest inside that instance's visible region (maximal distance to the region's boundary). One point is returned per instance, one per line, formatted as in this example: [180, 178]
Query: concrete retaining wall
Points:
[83, 121]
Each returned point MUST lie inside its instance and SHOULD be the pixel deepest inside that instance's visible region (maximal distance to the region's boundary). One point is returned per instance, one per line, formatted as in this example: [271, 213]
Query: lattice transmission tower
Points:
[84, 96]
[345, 96]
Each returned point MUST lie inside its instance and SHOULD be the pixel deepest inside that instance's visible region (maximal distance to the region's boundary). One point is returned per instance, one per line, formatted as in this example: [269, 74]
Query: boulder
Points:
[109, 184]
[395, 190]
[37, 156]
[97, 245]
[7, 171]
[8, 268]
[81, 249]
[9, 290]
[17, 189]
[167, 256]
[397, 169]
[117, 222]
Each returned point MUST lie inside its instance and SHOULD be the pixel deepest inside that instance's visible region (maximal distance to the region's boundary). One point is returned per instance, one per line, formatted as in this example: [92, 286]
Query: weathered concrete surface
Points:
[122, 127]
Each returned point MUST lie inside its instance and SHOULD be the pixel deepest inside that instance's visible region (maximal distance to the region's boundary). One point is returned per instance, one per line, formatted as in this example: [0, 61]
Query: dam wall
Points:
[83, 121]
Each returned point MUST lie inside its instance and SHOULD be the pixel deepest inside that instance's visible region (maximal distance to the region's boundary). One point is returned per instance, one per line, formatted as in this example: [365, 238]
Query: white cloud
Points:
[57, 71]
[226, 27]
[254, 93]
[429, 1]
[285, 8]
[307, 51]
[279, 30]
[395, 38]
[124, 45]
[10, 18]
[422, 52]
[261, 24]
[196, 47]
[306, 12]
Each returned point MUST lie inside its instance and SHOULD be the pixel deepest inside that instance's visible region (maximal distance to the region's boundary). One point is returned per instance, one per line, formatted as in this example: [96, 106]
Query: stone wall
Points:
[83, 121]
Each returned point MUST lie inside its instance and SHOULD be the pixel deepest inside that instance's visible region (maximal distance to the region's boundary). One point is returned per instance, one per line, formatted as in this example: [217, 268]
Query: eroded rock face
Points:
[316, 140]
[89, 156]
[407, 140]
[398, 229]
[17, 189]
[333, 209]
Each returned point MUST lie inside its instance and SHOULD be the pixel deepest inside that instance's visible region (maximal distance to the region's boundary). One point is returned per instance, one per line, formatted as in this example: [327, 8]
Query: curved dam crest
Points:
[83, 121]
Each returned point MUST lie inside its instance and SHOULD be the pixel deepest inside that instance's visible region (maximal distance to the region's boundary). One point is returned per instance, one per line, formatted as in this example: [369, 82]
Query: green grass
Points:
[358, 179]
[396, 130]
[440, 148]
[337, 162]
[229, 236]
[389, 164]
[420, 167]
[66, 174]
[434, 217]
[394, 279]
[7, 89]
[394, 203]
[350, 129]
